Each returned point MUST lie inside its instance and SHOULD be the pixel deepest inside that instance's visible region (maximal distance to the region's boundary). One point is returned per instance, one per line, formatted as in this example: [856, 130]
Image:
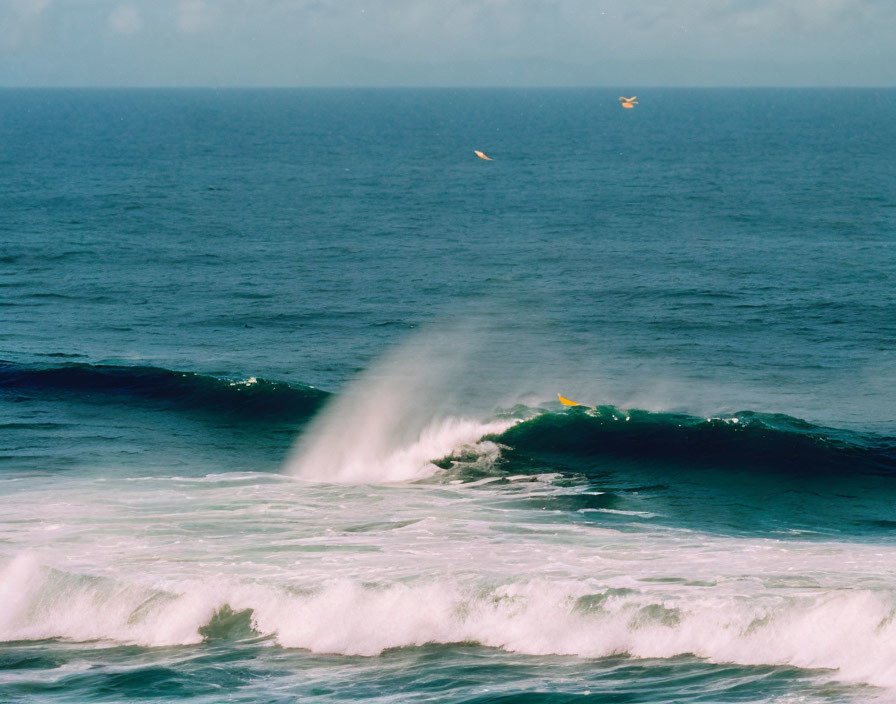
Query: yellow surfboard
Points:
[481, 155]
[567, 402]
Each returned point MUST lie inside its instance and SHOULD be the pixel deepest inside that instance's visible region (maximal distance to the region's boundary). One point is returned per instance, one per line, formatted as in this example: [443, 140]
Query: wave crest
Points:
[745, 440]
[250, 398]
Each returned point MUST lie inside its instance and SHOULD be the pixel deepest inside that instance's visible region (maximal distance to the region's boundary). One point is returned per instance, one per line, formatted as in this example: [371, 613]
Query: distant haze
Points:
[447, 42]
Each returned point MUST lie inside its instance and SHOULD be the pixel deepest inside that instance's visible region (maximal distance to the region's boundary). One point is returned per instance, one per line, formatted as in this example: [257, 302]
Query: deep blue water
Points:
[237, 328]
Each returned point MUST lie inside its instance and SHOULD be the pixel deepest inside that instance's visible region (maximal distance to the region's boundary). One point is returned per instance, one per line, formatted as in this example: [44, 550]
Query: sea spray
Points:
[392, 422]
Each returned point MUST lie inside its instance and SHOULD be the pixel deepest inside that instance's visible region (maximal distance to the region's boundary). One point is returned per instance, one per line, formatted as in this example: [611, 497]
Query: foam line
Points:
[850, 631]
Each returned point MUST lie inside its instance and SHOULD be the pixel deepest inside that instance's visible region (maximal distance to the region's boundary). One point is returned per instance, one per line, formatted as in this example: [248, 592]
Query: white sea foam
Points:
[852, 631]
[619, 512]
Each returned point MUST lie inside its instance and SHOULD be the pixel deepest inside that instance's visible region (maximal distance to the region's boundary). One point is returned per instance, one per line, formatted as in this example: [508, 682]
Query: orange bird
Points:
[481, 155]
[628, 102]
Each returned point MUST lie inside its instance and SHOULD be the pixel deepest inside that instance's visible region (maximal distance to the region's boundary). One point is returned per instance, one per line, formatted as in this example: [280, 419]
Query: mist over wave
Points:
[412, 407]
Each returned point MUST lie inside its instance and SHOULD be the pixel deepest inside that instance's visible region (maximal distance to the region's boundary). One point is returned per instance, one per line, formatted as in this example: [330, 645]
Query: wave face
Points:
[746, 440]
[251, 398]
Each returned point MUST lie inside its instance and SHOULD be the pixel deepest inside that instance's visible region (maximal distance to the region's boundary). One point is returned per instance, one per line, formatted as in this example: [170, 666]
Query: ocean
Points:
[279, 377]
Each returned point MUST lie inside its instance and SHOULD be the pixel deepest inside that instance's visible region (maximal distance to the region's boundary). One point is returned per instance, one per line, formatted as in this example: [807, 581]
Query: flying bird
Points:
[628, 102]
[481, 155]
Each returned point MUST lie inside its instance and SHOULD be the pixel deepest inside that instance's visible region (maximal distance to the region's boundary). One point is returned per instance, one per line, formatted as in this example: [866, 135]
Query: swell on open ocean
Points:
[278, 396]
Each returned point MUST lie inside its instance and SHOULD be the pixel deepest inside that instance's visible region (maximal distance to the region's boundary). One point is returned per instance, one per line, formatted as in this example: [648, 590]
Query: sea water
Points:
[278, 396]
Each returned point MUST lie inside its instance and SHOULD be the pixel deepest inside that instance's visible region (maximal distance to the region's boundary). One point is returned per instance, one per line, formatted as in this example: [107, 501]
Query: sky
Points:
[447, 42]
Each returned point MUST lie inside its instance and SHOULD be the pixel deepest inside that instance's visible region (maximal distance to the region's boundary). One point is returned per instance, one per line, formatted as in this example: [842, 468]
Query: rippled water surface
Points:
[279, 414]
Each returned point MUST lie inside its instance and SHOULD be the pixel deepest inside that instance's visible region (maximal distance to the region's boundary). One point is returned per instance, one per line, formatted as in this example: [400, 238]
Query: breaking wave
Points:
[851, 631]
[383, 428]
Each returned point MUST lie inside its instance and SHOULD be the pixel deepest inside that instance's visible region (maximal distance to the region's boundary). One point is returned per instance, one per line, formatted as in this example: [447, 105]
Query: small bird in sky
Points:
[481, 155]
[628, 102]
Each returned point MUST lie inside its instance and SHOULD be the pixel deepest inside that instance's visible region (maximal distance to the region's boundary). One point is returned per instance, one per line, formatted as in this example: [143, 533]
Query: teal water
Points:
[278, 396]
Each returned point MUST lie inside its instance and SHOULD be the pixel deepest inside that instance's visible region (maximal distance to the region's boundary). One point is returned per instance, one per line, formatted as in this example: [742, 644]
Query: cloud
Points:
[193, 16]
[20, 20]
[441, 42]
[126, 20]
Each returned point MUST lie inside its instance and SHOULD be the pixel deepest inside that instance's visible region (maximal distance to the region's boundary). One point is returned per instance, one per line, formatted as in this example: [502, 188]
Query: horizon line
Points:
[338, 86]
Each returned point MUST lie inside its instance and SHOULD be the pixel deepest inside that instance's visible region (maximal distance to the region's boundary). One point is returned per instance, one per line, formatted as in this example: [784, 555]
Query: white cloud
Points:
[126, 20]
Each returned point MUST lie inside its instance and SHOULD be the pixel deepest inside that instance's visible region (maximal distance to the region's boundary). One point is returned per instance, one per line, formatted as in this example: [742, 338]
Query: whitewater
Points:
[358, 569]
